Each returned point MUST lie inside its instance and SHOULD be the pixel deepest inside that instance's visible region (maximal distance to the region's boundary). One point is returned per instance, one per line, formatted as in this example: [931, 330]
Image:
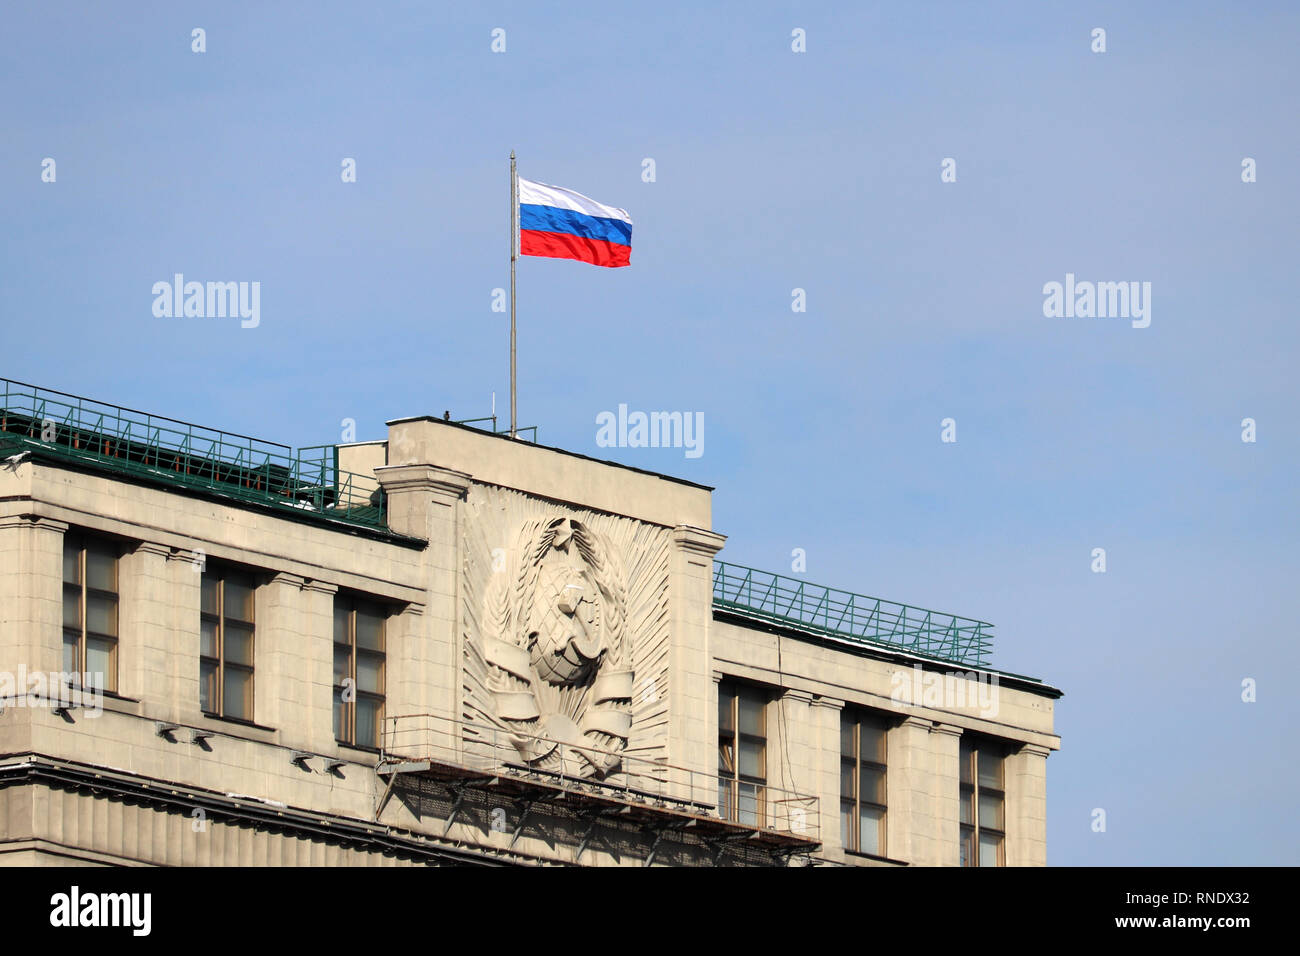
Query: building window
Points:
[862, 783]
[983, 803]
[226, 645]
[90, 609]
[742, 754]
[358, 672]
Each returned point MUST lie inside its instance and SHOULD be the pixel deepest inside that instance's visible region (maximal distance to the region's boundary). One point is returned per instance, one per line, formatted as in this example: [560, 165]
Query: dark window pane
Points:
[71, 652]
[991, 811]
[990, 768]
[370, 713]
[871, 785]
[342, 664]
[990, 849]
[101, 568]
[340, 716]
[749, 809]
[848, 778]
[209, 603]
[238, 598]
[847, 747]
[237, 644]
[101, 660]
[101, 614]
[871, 829]
[726, 759]
[967, 799]
[751, 715]
[872, 738]
[967, 847]
[72, 606]
[208, 687]
[71, 562]
[751, 758]
[725, 701]
[208, 638]
[370, 630]
[341, 615]
[370, 672]
[847, 815]
[237, 693]
[965, 761]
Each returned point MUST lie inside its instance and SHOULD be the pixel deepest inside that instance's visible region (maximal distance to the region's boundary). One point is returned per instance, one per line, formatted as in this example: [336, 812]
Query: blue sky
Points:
[775, 171]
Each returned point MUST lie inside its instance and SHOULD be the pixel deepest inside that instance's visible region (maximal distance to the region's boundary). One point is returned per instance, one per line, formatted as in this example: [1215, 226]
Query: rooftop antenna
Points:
[494, 413]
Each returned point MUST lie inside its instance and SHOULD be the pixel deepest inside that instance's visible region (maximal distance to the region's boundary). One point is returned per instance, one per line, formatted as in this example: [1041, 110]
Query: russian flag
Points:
[560, 224]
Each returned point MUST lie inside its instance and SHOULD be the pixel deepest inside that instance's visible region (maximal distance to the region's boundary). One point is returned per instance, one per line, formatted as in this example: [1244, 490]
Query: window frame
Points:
[729, 808]
[83, 544]
[352, 603]
[852, 841]
[221, 574]
[971, 790]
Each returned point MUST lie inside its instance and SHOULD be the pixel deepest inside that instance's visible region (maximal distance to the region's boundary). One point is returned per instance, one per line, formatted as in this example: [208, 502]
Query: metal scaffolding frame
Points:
[463, 758]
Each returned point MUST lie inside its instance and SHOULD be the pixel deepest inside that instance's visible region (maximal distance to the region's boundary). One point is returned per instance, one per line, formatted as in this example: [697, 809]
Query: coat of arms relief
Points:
[565, 640]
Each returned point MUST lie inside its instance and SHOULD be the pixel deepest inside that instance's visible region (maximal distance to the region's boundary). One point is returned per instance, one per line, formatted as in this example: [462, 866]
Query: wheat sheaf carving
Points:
[555, 650]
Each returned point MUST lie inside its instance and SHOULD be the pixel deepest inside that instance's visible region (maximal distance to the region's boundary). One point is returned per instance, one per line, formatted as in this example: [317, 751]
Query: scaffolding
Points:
[663, 801]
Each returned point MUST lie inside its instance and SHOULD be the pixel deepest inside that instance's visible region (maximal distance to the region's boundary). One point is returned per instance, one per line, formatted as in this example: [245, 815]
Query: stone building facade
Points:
[451, 647]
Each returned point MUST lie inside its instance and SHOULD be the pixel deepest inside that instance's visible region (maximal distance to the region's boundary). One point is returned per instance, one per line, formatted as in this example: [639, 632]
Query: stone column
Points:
[425, 501]
[692, 701]
[1026, 782]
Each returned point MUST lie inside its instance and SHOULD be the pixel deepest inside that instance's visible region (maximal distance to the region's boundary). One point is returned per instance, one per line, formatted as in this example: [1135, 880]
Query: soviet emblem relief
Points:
[555, 646]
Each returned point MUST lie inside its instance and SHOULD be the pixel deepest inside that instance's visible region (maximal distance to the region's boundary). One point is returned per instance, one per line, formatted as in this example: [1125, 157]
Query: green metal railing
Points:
[854, 617]
[499, 431]
[131, 442]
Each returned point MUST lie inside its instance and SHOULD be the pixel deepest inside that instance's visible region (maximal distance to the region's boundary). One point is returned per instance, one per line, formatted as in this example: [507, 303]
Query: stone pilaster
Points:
[945, 747]
[405, 673]
[824, 716]
[183, 573]
[426, 501]
[144, 626]
[314, 648]
[692, 741]
[282, 668]
[31, 594]
[1026, 782]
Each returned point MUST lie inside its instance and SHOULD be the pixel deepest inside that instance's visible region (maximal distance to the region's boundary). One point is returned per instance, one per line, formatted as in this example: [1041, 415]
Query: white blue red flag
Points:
[560, 224]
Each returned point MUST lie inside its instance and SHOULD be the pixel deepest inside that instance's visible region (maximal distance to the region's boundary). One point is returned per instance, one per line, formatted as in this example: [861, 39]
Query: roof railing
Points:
[853, 617]
[131, 442]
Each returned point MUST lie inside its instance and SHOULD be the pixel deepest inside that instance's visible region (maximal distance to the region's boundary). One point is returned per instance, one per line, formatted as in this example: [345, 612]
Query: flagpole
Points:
[514, 251]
